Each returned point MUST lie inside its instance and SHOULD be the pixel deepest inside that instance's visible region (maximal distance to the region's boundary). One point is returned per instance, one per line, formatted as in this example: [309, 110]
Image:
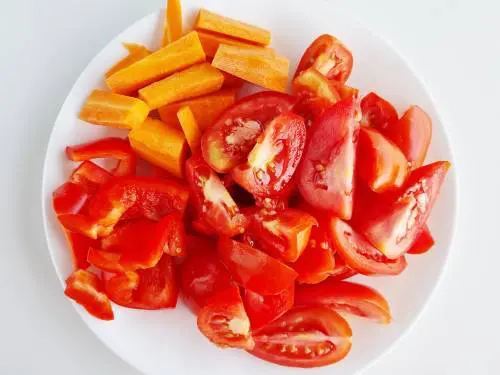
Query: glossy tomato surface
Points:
[264, 309]
[378, 112]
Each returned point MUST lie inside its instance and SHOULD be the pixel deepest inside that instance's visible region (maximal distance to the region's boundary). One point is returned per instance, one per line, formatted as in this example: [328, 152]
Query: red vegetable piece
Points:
[264, 309]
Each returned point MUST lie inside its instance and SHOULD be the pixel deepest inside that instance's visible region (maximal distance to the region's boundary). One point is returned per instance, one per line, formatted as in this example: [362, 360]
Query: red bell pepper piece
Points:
[104, 260]
[69, 198]
[115, 148]
[90, 176]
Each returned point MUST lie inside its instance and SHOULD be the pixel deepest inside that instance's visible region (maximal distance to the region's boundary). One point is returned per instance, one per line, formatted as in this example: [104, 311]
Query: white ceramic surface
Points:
[162, 342]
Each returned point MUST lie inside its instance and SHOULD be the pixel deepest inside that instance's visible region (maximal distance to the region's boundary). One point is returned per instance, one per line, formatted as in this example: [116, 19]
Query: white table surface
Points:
[452, 44]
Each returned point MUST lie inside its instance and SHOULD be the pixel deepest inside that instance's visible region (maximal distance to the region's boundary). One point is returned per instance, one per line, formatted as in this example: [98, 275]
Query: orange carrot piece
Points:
[205, 108]
[216, 23]
[255, 66]
[107, 108]
[172, 29]
[178, 55]
[211, 43]
[190, 128]
[136, 52]
[198, 80]
[161, 145]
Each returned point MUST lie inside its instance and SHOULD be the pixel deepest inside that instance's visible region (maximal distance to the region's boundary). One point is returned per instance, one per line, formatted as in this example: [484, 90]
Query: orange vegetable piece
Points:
[190, 128]
[198, 80]
[173, 22]
[205, 108]
[176, 56]
[216, 23]
[211, 43]
[161, 145]
[253, 65]
[136, 52]
[107, 108]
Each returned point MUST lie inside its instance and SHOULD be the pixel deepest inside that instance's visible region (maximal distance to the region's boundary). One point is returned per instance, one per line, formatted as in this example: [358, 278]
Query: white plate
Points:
[167, 342]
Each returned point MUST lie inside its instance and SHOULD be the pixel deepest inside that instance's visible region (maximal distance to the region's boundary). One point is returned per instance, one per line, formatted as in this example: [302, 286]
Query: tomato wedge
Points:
[202, 276]
[264, 309]
[284, 235]
[272, 162]
[341, 271]
[395, 227]
[254, 269]
[423, 243]
[382, 166]
[215, 205]
[224, 321]
[229, 140]
[329, 57]
[304, 337]
[378, 112]
[346, 297]
[326, 176]
[359, 254]
[412, 133]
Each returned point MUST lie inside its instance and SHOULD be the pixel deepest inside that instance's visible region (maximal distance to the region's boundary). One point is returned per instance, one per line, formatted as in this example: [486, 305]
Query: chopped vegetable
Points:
[190, 128]
[136, 52]
[211, 43]
[172, 29]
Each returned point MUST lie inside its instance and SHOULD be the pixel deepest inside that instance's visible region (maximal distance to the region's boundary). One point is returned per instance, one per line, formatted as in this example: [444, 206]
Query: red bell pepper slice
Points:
[104, 260]
[69, 198]
[116, 148]
[90, 176]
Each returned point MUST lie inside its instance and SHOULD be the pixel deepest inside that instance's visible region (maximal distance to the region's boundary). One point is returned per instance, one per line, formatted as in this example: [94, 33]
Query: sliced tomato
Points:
[272, 162]
[311, 108]
[105, 260]
[423, 243]
[326, 176]
[359, 254]
[345, 92]
[150, 289]
[382, 165]
[202, 276]
[264, 309]
[224, 320]
[412, 133]
[329, 57]
[69, 198]
[174, 242]
[229, 140]
[395, 227]
[85, 288]
[215, 205]
[304, 337]
[346, 297]
[341, 271]
[284, 234]
[254, 269]
[378, 112]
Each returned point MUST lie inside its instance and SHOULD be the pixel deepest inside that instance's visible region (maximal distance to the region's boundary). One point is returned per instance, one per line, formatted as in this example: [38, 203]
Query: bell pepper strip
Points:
[211, 43]
[85, 288]
[136, 52]
[423, 243]
[253, 65]
[216, 23]
[172, 28]
[176, 56]
[205, 108]
[90, 176]
[80, 245]
[190, 128]
[161, 145]
[110, 109]
[69, 198]
[105, 260]
[201, 79]
[115, 148]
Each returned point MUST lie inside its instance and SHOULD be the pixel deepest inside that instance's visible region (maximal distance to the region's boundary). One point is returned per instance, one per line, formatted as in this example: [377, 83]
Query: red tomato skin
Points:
[423, 243]
[264, 309]
[341, 271]
[378, 112]
[347, 297]
[331, 152]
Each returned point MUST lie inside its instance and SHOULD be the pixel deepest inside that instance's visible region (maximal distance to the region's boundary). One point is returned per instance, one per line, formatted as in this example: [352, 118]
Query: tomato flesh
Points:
[423, 243]
[272, 162]
[229, 140]
[304, 337]
[378, 112]
[264, 309]
[341, 271]
[347, 297]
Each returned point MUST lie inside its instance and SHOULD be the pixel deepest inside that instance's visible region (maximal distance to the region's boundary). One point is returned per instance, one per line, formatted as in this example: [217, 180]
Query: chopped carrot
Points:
[173, 22]
[178, 55]
[255, 66]
[107, 108]
[190, 128]
[198, 80]
[205, 108]
[136, 52]
[161, 145]
[216, 23]
[211, 43]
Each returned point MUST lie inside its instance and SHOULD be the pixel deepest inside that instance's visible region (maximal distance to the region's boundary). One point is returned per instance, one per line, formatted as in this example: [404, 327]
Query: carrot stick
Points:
[216, 23]
[205, 108]
[161, 145]
[136, 52]
[211, 43]
[107, 108]
[252, 65]
[178, 55]
[190, 128]
[198, 80]
[172, 29]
